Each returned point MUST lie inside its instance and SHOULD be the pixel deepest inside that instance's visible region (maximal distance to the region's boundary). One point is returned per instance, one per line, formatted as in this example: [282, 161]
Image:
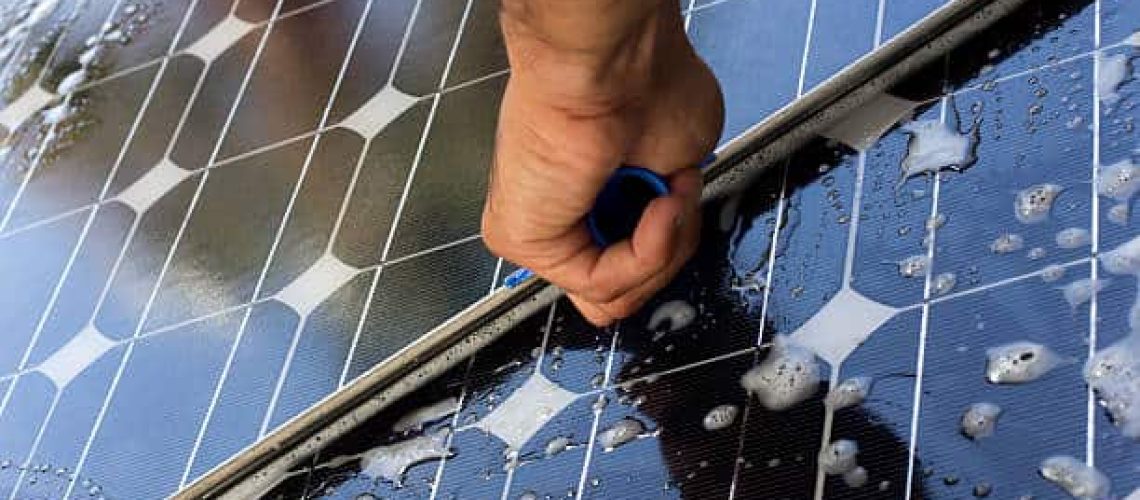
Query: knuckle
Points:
[602, 294]
[623, 309]
[656, 260]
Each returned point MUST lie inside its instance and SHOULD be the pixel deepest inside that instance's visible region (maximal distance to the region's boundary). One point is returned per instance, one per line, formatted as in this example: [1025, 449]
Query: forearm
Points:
[591, 56]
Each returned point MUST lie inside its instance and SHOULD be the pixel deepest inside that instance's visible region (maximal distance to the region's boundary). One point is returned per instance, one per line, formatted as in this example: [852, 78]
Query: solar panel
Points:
[239, 217]
[843, 221]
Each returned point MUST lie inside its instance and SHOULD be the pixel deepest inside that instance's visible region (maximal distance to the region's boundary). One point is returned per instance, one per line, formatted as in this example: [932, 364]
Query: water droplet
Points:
[1119, 181]
[1082, 290]
[1113, 70]
[1073, 237]
[92, 55]
[933, 147]
[1006, 243]
[1033, 204]
[597, 380]
[980, 419]
[720, 417]
[1076, 478]
[849, 392]
[935, 222]
[787, 377]
[855, 478]
[1119, 214]
[913, 266]
[72, 82]
[1019, 362]
[839, 457]
[556, 446]
[673, 315]
[944, 283]
[621, 432]
[601, 402]
[1052, 273]
[1114, 375]
[950, 480]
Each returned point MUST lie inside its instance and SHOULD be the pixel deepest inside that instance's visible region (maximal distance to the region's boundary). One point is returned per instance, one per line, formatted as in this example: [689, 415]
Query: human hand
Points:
[587, 94]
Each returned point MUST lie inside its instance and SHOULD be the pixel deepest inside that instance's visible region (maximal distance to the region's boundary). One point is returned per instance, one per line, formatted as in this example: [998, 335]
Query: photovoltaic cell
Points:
[387, 216]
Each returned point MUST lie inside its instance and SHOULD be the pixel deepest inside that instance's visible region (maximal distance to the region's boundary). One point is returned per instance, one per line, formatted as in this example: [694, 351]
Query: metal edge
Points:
[246, 473]
[790, 127]
[261, 465]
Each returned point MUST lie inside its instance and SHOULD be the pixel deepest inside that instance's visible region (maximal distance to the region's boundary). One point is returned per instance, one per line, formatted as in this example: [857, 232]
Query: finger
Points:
[630, 263]
[630, 302]
[598, 275]
[687, 186]
[594, 314]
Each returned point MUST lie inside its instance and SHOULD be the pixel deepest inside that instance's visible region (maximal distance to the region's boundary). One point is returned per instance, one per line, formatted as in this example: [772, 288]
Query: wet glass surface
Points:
[836, 221]
[181, 275]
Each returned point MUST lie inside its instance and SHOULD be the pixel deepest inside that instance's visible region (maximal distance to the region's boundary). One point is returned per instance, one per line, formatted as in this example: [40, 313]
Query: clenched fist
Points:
[596, 84]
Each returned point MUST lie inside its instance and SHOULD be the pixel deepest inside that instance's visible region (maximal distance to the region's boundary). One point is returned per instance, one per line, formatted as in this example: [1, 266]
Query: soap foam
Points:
[673, 315]
[839, 457]
[934, 147]
[1114, 375]
[391, 461]
[849, 392]
[1019, 362]
[1081, 291]
[1033, 204]
[980, 419]
[787, 377]
[1076, 478]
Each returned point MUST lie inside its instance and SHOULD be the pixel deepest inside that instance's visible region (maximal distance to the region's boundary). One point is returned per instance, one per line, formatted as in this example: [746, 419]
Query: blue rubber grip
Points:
[618, 208]
[620, 203]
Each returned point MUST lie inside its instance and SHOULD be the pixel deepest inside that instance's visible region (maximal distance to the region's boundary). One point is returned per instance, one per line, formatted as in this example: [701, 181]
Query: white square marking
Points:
[380, 110]
[17, 112]
[313, 286]
[221, 37]
[152, 185]
[845, 322]
[526, 410]
[75, 356]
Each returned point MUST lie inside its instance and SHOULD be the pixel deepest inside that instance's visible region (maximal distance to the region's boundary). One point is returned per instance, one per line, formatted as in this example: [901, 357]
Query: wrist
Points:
[592, 56]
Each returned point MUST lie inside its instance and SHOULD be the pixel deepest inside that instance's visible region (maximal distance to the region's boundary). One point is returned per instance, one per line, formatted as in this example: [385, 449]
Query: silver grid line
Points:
[269, 259]
[170, 253]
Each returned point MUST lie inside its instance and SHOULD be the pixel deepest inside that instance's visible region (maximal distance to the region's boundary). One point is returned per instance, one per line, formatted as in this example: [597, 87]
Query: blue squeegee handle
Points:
[617, 209]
